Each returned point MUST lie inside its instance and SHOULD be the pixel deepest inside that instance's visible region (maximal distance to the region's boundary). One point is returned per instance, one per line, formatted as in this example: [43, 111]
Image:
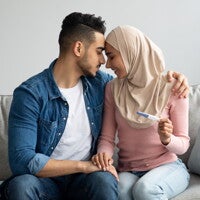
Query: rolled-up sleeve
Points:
[22, 133]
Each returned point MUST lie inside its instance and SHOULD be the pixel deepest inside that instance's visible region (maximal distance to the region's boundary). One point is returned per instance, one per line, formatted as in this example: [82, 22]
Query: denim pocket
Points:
[46, 131]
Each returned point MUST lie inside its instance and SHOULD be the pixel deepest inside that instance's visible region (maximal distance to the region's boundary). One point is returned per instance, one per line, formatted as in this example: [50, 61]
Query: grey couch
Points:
[192, 192]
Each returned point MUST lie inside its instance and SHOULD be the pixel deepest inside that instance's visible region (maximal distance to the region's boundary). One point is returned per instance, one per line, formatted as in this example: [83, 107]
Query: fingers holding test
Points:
[165, 129]
[165, 125]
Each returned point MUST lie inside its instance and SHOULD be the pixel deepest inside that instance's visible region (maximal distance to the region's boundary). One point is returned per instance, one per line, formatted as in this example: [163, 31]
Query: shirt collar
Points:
[53, 89]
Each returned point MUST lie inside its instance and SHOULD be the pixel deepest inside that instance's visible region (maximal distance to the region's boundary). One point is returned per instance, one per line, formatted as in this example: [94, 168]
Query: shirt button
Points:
[147, 164]
[66, 103]
[59, 133]
[64, 118]
[88, 107]
[92, 123]
[52, 148]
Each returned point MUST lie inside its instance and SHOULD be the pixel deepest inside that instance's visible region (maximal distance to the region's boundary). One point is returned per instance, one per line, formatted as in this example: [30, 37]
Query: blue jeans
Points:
[160, 183]
[93, 186]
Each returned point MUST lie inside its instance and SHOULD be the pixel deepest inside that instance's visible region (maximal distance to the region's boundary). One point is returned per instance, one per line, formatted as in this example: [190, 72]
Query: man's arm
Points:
[63, 167]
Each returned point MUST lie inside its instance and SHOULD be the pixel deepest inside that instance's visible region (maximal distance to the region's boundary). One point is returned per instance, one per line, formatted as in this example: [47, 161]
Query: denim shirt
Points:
[38, 116]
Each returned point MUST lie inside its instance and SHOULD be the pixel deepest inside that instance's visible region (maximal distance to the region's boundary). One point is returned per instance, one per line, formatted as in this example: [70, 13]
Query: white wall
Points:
[29, 31]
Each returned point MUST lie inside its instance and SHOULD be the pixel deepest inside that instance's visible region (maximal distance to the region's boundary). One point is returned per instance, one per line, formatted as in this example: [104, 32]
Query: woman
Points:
[148, 165]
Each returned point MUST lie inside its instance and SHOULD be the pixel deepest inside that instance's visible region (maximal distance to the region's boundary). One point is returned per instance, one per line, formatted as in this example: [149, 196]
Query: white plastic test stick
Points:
[146, 115]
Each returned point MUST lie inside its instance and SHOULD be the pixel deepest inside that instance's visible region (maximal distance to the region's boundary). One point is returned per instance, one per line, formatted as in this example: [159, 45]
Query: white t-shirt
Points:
[75, 143]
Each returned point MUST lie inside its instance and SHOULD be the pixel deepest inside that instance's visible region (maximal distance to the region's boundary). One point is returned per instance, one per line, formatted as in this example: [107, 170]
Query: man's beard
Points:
[85, 70]
[85, 66]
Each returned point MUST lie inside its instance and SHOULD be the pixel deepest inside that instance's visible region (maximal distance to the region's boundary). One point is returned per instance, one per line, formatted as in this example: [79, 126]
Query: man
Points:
[55, 121]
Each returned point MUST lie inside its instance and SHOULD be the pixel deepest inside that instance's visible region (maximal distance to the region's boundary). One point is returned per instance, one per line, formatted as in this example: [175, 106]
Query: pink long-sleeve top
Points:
[141, 149]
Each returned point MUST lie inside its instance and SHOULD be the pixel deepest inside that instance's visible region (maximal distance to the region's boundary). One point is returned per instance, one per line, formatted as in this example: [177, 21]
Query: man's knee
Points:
[103, 183]
[22, 186]
[23, 182]
[103, 178]
[31, 187]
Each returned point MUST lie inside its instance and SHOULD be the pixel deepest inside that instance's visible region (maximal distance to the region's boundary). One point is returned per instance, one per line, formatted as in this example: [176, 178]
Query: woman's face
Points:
[114, 61]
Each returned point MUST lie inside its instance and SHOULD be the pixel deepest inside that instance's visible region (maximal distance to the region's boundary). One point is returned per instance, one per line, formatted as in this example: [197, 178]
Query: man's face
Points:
[93, 56]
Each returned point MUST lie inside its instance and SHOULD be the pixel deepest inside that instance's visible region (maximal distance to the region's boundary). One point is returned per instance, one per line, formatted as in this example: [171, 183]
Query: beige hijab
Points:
[145, 88]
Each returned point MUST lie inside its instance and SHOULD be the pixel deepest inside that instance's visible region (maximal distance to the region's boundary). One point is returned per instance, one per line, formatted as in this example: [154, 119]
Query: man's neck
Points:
[65, 73]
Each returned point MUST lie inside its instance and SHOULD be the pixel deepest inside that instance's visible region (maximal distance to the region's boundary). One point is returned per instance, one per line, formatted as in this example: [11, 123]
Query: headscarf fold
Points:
[145, 88]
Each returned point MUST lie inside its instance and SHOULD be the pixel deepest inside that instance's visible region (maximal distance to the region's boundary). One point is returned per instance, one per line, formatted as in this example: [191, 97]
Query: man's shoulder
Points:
[35, 84]
[35, 79]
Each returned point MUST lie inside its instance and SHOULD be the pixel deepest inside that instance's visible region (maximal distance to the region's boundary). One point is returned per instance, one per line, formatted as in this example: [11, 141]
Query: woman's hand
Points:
[181, 87]
[102, 161]
[165, 130]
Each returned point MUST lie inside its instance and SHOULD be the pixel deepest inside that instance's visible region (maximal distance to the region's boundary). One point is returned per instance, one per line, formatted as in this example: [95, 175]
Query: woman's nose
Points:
[103, 61]
[107, 64]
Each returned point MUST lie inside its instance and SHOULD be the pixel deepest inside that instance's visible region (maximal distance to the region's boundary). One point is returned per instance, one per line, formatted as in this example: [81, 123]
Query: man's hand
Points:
[89, 167]
[181, 87]
[113, 171]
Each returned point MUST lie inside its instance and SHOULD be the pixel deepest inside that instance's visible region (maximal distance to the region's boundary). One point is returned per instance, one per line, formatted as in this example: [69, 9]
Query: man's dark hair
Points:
[78, 26]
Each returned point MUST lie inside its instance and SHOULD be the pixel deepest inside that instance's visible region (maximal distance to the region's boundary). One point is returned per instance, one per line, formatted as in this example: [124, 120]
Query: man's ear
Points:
[78, 48]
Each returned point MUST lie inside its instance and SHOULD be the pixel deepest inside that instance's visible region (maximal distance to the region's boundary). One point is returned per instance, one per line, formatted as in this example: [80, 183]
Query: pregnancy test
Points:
[146, 115]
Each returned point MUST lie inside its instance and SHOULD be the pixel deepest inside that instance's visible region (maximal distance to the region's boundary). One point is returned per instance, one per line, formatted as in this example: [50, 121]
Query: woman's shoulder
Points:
[175, 100]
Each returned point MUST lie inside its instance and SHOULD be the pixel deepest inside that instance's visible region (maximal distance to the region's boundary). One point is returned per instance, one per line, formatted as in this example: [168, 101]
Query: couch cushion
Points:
[5, 101]
[194, 158]
[193, 190]
[194, 115]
